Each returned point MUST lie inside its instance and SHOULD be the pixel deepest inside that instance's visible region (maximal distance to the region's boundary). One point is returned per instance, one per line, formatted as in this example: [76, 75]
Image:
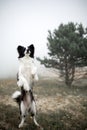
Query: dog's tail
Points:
[17, 96]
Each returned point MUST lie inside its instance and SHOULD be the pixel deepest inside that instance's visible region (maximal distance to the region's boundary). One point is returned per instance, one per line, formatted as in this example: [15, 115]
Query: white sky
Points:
[27, 22]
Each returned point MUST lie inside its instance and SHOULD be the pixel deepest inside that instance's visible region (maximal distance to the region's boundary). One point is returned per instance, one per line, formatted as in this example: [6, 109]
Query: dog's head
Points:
[22, 51]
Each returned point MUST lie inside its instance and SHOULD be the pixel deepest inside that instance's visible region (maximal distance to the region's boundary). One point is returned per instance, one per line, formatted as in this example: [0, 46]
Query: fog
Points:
[25, 22]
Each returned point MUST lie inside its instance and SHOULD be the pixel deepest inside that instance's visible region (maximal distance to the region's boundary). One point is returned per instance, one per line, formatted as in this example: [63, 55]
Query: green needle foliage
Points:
[67, 47]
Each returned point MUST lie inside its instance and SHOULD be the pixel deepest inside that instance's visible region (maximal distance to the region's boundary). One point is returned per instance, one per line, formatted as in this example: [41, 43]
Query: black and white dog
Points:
[25, 78]
[27, 69]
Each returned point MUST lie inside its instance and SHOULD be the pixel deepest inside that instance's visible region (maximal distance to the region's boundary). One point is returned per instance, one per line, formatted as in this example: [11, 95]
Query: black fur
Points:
[18, 100]
[21, 51]
[17, 76]
[31, 95]
[23, 95]
[30, 50]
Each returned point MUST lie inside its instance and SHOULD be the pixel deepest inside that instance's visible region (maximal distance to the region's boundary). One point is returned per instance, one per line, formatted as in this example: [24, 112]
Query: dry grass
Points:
[58, 106]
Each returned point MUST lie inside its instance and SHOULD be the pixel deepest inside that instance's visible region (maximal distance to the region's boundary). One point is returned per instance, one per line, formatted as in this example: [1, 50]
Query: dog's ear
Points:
[31, 50]
[21, 51]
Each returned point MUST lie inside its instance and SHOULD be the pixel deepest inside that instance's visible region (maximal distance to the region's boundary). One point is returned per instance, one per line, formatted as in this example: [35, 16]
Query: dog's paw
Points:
[40, 127]
[20, 125]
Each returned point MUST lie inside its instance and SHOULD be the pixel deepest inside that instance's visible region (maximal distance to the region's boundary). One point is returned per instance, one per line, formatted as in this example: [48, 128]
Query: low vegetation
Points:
[58, 107]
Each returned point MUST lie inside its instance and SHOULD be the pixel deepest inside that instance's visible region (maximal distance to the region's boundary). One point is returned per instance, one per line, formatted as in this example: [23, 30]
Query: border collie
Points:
[25, 78]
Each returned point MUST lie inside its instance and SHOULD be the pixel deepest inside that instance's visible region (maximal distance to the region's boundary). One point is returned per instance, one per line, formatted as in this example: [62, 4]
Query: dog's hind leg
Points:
[33, 113]
[34, 118]
[22, 121]
[23, 114]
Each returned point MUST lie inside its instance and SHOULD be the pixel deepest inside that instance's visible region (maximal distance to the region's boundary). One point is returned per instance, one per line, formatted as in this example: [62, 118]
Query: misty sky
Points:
[27, 22]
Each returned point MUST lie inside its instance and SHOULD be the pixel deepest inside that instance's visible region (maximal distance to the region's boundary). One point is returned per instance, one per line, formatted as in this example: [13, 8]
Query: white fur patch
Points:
[27, 72]
[16, 94]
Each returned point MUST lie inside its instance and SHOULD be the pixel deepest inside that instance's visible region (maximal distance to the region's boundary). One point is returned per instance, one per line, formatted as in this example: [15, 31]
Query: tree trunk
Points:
[69, 72]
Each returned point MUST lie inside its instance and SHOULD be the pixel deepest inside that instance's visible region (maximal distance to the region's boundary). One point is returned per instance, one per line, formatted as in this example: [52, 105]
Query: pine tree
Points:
[67, 47]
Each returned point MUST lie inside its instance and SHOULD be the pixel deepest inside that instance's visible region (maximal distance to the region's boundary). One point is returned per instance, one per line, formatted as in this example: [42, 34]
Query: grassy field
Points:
[58, 107]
